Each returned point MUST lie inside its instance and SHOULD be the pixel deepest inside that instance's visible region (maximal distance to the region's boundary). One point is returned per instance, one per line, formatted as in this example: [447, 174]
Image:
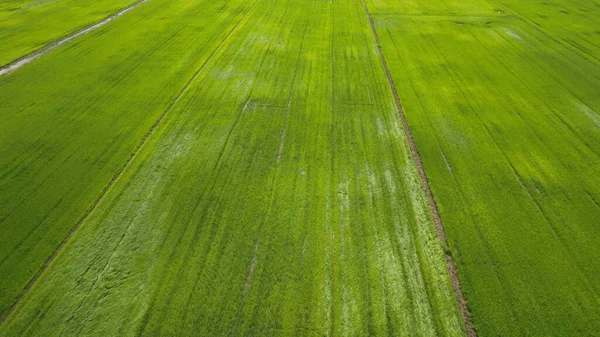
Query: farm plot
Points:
[278, 197]
[71, 120]
[507, 123]
[27, 25]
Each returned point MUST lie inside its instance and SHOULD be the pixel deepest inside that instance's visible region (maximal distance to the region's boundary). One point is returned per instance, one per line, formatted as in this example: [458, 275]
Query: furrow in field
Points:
[9, 68]
[279, 197]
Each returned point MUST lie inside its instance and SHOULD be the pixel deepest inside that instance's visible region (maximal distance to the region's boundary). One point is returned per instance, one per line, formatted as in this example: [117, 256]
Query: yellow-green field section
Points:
[239, 168]
[277, 196]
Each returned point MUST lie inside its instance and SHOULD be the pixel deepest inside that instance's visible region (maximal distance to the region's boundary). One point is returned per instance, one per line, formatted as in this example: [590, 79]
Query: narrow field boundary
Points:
[460, 297]
[10, 67]
[119, 173]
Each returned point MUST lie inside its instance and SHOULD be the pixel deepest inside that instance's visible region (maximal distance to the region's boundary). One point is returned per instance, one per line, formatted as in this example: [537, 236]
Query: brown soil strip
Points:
[117, 175]
[460, 298]
[9, 68]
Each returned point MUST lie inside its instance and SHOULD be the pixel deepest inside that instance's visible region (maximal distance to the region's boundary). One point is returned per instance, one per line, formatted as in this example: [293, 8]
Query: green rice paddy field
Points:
[266, 167]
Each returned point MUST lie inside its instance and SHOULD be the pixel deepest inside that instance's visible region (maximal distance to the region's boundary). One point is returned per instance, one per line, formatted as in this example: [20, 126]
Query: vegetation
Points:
[278, 196]
[27, 25]
[72, 119]
[239, 168]
[505, 116]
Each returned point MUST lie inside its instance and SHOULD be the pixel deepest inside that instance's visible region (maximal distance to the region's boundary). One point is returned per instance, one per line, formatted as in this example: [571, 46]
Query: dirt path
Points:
[119, 173]
[9, 68]
[460, 297]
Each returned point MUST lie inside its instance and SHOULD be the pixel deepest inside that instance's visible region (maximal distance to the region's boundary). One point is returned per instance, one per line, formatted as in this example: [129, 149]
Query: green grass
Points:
[278, 197]
[28, 25]
[505, 117]
[85, 108]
